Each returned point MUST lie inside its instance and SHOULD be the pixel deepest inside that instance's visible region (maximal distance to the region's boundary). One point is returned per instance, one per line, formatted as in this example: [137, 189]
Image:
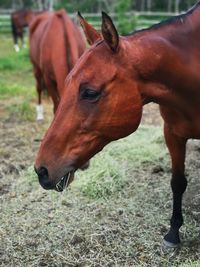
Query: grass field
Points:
[114, 214]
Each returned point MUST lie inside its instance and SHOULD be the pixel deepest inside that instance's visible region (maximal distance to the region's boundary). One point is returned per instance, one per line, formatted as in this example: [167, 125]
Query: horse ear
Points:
[109, 32]
[91, 34]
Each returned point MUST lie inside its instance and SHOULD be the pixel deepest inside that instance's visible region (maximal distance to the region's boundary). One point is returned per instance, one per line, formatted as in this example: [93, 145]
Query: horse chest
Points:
[180, 124]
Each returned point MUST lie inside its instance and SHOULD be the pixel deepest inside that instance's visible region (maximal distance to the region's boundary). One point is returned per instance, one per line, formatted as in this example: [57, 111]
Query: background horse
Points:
[19, 20]
[105, 93]
[55, 45]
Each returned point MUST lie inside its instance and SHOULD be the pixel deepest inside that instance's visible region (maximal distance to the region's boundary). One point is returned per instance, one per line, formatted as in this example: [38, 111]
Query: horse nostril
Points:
[43, 176]
[42, 172]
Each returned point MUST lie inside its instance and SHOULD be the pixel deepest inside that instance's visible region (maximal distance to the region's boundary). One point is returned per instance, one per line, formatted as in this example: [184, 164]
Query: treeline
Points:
[95, 6]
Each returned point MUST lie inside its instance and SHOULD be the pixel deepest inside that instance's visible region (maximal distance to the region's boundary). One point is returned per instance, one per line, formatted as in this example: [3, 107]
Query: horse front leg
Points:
[52, 91]
[15, 38]
[22, 39]
[40, 86]
[177, 149]
[39, 107]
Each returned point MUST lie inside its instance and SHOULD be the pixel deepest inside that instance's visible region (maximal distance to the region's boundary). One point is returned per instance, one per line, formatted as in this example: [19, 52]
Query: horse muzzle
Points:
[48, 184]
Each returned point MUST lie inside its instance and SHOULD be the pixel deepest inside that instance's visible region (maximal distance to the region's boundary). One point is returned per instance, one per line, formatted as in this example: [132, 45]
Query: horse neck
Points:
[160, 55]
[187, 24]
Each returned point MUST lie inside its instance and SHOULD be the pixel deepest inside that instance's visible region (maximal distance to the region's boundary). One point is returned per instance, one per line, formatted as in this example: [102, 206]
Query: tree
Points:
[169, 6]
[177, 2]
[126, 24]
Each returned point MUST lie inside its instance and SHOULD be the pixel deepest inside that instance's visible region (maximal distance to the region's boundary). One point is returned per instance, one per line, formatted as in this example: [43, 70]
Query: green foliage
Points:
[74, 5]
[126, 24]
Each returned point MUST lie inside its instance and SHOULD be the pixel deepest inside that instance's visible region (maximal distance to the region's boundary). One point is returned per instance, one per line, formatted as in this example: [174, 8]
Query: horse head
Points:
[101, 103]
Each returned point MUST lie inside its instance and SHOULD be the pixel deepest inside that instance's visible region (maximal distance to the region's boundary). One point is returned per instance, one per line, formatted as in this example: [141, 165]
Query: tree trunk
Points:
[169, 6]
[108, 5]
[149, 5]
[138, 5]
[21, 4]
[142, 5]
[177, 2]
[51, 2]
[188, 4]
[40, 7]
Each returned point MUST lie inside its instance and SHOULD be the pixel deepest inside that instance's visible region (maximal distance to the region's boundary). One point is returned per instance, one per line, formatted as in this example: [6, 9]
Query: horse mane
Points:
[179, 18]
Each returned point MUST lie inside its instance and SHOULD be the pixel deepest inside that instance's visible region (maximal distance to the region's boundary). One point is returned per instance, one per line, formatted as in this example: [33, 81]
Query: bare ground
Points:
[40, 228]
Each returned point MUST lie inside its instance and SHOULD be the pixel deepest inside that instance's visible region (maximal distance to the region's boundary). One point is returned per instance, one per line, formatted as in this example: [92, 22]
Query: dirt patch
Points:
[19, 143]
[151, 115]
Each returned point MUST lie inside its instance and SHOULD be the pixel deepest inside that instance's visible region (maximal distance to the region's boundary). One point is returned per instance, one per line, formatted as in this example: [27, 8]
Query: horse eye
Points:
[90, 94]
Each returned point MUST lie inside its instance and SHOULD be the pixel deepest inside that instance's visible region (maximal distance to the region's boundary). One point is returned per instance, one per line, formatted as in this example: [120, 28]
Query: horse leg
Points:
[39, 107]
[40, 88]
[177, 149]
[22, 39]
[15, 37]
[16, 46]
[21, 36]
[53, 92]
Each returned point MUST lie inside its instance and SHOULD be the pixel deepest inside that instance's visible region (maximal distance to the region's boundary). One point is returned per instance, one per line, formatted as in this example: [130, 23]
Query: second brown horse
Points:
[19, 20]
[55, 45]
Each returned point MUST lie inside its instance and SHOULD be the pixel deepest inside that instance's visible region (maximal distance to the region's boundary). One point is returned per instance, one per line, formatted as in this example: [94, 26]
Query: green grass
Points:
[110, 169]
[16, 76]
[16, 61]
[22, 111]
[10, 60]
[7, 90]
[190, 264]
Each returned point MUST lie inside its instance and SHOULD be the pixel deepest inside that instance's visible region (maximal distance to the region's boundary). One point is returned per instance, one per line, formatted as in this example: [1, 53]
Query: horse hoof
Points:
[40, 119]
[169, 248]
[16, 47]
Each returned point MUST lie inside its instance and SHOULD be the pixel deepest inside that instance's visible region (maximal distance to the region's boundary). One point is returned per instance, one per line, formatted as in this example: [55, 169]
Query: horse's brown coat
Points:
[108, 87]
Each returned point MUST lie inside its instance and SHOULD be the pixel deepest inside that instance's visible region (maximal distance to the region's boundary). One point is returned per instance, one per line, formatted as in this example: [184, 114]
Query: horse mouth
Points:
[64, 181]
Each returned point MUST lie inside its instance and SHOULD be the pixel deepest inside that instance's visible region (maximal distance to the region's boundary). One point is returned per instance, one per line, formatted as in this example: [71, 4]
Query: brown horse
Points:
[105, 93]
[19, 20]
[55, 45]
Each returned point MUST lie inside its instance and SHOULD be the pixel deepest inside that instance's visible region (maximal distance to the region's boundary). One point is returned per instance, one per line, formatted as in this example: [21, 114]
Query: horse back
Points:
[74, 41]
[36, 32]
[59, 44]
